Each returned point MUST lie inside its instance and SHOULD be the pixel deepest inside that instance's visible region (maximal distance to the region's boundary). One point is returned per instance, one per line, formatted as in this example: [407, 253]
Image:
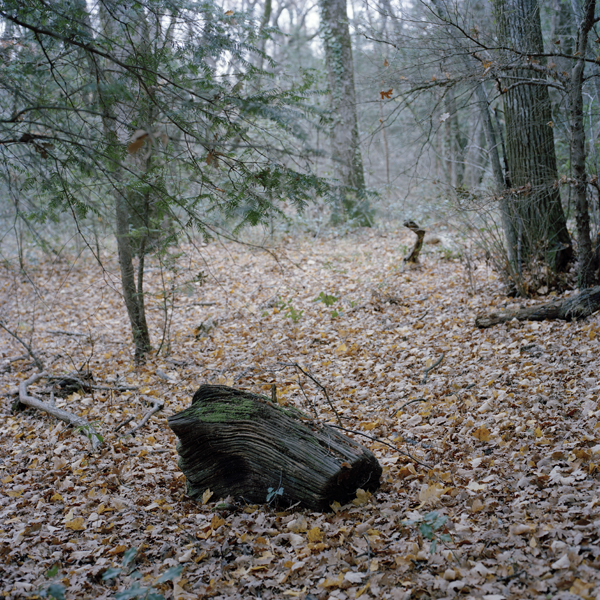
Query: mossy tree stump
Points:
[240, 444]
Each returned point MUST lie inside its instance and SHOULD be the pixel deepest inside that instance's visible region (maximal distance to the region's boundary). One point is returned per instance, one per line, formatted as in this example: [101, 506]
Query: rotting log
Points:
[240, 444]
[413, 257]
[575, 307]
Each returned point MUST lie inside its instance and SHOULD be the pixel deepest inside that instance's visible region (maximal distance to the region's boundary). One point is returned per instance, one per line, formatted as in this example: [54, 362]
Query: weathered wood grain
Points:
[237, 443]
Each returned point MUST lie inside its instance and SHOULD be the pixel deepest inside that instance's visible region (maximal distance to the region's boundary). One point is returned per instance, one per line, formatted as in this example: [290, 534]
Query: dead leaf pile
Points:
[493, 492]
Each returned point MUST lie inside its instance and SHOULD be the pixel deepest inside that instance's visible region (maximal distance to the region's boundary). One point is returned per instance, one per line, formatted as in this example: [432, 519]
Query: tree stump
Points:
[576, 307]
[413, 257]
[240, 444]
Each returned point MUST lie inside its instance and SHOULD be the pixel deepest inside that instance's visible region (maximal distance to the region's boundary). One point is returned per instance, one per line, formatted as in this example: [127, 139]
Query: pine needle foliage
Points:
[155, 100]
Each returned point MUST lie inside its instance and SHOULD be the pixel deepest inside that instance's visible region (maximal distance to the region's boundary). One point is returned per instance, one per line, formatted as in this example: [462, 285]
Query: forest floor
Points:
[509, 430]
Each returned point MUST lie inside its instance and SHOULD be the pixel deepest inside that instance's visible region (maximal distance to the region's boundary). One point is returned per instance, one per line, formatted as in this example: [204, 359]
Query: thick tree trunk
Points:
[345, 146]
[580, 306]
[537, 219]
[239, 444]
[586, 264]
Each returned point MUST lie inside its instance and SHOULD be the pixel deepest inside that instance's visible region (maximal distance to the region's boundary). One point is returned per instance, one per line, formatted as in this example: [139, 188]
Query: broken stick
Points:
[63, 415]
[156, 406]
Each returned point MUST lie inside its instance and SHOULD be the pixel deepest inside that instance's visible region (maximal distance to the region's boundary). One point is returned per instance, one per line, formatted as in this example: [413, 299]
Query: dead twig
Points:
[79, 422]
[317, 383]
[38, 363]
[437, 363]
[71, 333]
[374, 439]
[157, 405]
[123, 423]
[396, 410]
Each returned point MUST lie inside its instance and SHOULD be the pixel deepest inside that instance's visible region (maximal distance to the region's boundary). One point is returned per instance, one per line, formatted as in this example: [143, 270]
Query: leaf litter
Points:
[502, 503]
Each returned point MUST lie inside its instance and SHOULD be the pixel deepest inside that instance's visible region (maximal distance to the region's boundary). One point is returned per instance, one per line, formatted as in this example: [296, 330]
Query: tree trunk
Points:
[133, 296]
[239, 444]
[580, 306]
[537, 219]
[345, 146]
[586, 264]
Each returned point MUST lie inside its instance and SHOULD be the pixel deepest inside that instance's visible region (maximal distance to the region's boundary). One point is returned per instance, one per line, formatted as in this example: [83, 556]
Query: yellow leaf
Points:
[117, 550]
[581, 588]
[34, 464]
[538, 432]
[206, 496]
[333, 581]
[431, 494]
[15, 493]
[335, 506]
[482, 434]
[407, 471]
[371, 425]
[315, 535]
[362, 497]
[76, 524]
[7, 479]
[216, 522]
[341, 349]
[363, 589]
[229, 13]
[56, 497]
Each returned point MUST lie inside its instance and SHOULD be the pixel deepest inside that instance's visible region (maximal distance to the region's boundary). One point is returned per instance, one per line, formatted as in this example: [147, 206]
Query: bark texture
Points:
[586, 263]
[345, 145]
[536, 218]
[580, 306]
[239, 444]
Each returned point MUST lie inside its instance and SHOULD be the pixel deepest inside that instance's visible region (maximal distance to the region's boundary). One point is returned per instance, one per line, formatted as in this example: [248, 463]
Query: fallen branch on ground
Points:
[84, 386]
[86, 428]
[157, 405]
[576, 307]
